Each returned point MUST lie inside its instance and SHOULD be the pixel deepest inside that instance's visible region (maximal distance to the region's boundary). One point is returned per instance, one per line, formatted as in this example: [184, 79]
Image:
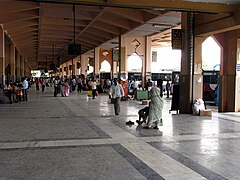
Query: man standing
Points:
[168, 87]
[24, 89]
[79, 83]
[56, 86]
[116, 92]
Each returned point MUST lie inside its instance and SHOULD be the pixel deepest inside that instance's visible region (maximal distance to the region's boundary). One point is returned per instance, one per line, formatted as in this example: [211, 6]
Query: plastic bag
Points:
[89, 93]
[197, 106]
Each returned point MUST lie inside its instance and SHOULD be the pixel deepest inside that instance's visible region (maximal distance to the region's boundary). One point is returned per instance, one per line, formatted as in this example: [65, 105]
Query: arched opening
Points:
[211, 57]
[134, 64]
[166, 63]
[211, 53]
[89, 69]
[105, 70]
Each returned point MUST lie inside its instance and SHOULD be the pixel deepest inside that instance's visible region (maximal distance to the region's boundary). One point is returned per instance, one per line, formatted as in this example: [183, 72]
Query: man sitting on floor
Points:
[143, 114]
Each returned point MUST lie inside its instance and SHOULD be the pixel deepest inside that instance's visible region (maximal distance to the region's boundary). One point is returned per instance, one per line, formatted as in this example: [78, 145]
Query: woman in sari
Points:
[156, 107]
[66, 89]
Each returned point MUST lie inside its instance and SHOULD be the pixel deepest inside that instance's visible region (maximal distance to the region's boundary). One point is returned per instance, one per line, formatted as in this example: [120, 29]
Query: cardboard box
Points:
[206, 112]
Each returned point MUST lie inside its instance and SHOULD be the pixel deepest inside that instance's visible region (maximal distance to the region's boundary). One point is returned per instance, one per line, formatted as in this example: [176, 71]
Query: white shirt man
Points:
[24, 89]
[116, 92]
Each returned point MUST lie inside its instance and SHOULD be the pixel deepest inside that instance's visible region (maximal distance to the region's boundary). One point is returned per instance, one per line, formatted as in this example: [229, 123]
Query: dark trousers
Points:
[43, 88]
[24, 92]
[117, 105]
[56, 91]
[79, 89]
[94, 93]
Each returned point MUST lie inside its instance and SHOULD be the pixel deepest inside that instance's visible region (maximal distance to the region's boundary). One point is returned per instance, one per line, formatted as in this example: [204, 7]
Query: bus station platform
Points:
[78, 137]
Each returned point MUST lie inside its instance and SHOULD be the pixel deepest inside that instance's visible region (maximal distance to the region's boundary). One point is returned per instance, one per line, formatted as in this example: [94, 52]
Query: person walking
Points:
[116, 92]
[66, 88]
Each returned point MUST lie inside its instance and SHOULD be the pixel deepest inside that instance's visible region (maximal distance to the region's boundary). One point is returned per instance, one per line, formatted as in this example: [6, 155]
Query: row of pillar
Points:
[13, 66]
[191, 78]
[126, 50]
[191, 64]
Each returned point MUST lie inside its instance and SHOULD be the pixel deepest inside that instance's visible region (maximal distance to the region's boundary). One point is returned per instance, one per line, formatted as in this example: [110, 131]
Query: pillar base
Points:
[185, 99]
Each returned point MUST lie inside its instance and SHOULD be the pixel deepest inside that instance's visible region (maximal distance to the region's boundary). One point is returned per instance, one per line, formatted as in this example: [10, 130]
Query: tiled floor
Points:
[78, 137]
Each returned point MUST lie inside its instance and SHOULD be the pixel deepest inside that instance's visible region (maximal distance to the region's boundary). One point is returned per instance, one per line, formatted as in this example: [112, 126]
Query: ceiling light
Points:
[162, 26]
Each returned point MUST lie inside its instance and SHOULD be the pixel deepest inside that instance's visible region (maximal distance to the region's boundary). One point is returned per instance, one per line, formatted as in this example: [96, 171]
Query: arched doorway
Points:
[211, 54]
[105, 70]
[134, 64]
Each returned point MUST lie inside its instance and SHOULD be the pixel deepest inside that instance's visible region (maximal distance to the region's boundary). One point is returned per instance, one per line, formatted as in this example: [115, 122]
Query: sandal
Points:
[129, 123]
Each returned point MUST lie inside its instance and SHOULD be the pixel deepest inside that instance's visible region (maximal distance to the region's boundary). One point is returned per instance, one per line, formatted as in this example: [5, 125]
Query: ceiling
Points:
[43, 30]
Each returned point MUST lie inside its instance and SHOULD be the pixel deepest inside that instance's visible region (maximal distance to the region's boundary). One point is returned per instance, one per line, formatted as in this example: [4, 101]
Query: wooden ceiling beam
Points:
[96, 36]
[21, 24]
[18, 16]
[17, 6]
[107, 28]
[220, 25]
[102, 34]
[114, 20]
[131, 14]
[179, 5]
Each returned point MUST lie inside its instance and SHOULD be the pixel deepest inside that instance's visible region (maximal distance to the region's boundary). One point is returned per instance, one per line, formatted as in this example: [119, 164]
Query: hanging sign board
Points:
[177, 35]
[74, 49]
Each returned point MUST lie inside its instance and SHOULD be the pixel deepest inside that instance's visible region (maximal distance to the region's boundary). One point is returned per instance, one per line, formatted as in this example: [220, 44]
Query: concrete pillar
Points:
[75, 61]
[96, 61]
[237, 88]
[67, 69]
[64, 69]
[61, 70]
[229, 73]
[12, 62]
[123, 56]
[25, 68]
[73, 69]
[2, 57]
[18, 65]
[197, 76]
[114, 69]
[186, 75]
[84, 64]
[147, 63]
[22, 65]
